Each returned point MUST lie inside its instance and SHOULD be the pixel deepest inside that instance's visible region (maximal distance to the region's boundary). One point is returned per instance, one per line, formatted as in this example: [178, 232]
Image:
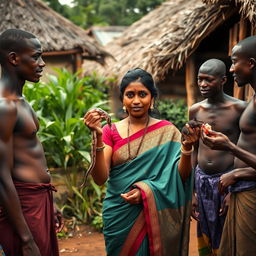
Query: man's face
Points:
[31, 64]
[240, 67]
[209, 85]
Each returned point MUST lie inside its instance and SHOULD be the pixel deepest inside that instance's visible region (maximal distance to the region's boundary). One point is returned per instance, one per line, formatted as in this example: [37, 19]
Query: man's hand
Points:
[226, 180]
[215, 140]
[133, 196]
[30, 249]
[225, 205]
[59, 222]
[194, 210]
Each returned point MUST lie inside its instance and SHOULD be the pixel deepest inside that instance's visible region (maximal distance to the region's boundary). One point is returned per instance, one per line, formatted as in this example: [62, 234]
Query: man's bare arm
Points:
[219, 141]
[232, 177]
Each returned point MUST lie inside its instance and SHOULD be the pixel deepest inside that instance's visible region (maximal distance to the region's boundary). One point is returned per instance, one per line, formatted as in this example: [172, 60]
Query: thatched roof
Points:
[55, 32]
[247, 7]
[163, 39]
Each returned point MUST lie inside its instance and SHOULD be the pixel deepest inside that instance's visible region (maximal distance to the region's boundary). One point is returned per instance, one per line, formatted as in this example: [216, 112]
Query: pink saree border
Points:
[138, 134]
[146, 223]
[151, 218]
[135, 237]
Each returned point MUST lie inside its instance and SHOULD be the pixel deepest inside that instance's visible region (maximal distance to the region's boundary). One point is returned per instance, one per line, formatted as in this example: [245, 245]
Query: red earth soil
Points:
[88, 242]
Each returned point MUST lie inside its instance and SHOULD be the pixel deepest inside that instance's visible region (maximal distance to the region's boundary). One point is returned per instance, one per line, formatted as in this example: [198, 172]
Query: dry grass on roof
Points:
[163, 39]
[55, 32]
[247, 7]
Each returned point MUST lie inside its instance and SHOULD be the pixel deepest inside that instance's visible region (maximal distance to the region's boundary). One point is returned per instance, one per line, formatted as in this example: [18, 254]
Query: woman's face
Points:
[137, 99]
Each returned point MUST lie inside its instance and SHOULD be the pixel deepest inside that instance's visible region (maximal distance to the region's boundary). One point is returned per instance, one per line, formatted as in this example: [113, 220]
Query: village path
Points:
[89, 243]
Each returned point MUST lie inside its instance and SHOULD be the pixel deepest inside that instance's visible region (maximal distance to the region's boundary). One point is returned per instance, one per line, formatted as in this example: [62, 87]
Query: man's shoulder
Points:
[7, 105]
[195, 107]
[240, 105]
[8, 113]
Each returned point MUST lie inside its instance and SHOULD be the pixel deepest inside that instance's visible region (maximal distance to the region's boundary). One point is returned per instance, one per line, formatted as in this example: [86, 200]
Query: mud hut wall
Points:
[173, 86]
[60, 61]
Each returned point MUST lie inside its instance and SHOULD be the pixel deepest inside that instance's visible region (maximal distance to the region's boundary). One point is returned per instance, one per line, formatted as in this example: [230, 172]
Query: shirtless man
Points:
[239, 233]
[222, 112]
[26, 208]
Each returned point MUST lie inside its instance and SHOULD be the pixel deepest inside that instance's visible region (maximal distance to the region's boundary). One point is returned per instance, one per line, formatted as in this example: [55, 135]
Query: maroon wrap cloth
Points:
[37, 206]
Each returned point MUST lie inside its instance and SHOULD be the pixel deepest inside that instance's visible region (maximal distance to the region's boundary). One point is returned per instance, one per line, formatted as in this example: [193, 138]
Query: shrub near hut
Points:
[60, 104]
[173, 110]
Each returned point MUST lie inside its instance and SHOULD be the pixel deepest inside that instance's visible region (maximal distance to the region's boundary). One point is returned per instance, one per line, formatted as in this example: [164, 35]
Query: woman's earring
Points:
[124, 109]
[152, 106]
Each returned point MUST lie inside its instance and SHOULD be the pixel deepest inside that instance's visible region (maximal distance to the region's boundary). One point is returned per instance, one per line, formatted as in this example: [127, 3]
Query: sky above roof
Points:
[67, 2]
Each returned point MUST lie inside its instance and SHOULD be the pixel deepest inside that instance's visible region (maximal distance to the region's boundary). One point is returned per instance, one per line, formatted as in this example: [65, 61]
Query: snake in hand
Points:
[105, 116]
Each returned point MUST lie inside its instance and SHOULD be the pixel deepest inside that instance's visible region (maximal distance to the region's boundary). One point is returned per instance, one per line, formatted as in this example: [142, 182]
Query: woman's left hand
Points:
[190, 134]
[133, 196]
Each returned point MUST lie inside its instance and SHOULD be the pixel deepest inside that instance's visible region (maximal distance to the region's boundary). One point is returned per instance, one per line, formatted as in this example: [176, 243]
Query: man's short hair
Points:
[13, 40]
[214, 67]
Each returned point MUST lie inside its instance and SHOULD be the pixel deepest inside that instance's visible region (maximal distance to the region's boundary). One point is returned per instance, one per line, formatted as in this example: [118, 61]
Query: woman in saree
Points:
[147, 205]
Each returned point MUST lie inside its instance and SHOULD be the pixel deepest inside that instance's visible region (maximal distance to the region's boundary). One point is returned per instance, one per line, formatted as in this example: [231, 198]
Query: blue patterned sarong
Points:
[243, 185]
[210, 225]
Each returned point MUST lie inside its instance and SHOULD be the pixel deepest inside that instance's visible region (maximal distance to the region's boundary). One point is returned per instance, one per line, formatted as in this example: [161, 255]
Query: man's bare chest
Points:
[225, 121]
[27, 124]
[248, 119]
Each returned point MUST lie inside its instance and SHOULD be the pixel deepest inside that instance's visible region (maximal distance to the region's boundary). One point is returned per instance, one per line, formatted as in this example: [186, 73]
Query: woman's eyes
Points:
[129, 94]
[141, 94]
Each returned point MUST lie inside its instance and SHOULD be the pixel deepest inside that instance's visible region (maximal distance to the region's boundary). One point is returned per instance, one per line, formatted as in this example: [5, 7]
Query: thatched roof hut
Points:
[170, 36]
[163, 39]
[247, 8]
[58, 35]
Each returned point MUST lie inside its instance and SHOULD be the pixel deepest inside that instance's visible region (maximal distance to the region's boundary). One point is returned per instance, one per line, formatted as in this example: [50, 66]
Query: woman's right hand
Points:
[92, 119]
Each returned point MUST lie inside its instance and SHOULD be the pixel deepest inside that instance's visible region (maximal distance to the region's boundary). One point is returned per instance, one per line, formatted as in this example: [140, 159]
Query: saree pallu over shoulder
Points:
[160, 225]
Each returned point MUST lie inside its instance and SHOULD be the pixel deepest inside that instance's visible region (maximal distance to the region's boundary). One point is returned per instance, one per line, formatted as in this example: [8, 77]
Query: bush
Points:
[175, 111]
[60, 105]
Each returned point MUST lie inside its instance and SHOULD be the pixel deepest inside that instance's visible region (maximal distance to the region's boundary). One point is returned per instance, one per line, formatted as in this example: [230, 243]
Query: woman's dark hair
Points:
[138, 75]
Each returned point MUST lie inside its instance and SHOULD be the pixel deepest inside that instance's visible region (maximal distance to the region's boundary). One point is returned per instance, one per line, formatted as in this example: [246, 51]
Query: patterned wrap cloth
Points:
[210, 224]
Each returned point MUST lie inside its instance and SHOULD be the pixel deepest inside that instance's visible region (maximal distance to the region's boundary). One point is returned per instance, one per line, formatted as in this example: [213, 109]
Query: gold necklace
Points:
[141, 141]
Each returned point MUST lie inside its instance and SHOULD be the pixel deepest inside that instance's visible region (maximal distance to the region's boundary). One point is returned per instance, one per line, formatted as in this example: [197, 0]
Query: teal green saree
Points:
[160, 225]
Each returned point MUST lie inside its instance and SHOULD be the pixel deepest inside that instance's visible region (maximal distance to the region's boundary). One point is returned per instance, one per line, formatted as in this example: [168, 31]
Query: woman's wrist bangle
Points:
[187, 152]
[100, 148]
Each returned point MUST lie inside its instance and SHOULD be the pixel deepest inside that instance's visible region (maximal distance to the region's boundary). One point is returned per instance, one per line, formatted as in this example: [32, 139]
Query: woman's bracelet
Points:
[186, 152]
[100, 148]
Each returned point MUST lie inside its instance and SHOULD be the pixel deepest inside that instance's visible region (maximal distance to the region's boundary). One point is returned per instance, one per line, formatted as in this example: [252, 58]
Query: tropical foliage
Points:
[60, 105]
[104, 12]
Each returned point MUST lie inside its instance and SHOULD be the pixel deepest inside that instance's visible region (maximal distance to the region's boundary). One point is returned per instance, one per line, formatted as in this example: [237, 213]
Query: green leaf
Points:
[86, 155]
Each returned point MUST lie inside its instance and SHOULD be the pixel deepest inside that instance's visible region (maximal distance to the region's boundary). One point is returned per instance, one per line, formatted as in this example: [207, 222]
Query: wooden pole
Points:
[79, 61]
[239, 92]
[190, 81]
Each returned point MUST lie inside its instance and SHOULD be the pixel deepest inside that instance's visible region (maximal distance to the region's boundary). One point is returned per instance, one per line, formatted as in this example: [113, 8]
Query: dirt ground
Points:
[90, 243]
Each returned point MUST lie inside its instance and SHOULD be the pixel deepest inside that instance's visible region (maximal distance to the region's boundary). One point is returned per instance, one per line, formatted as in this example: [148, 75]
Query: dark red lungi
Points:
[37, 206]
